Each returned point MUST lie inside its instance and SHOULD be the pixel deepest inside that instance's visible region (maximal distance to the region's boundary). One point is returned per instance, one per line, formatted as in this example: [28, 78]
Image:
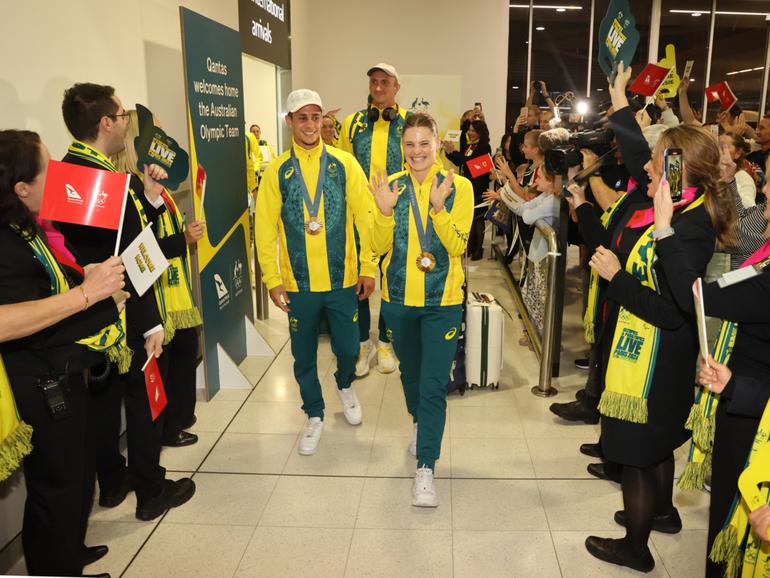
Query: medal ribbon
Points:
[423, 233]
[315, 204]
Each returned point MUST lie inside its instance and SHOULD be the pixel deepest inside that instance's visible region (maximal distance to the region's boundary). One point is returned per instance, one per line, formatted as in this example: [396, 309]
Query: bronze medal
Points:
[426, 262]
[313, 226]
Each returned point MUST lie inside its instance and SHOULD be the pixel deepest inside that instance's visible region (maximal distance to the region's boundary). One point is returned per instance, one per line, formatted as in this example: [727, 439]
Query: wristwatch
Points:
[662, 233]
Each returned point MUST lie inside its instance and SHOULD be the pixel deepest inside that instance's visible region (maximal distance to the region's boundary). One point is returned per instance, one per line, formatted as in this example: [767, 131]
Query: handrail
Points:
[544, 348]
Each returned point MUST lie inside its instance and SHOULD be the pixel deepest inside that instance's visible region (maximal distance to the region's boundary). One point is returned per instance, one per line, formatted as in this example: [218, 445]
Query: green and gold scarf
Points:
[594, 297]
[736, 546]
[111, 340]
[635, 343]
[15, 435]
[176, 287]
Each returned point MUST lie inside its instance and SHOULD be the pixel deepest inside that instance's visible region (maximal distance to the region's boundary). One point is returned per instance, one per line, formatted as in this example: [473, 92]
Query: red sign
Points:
[721, 92]
[84, 196]
[650, 79]
[480, 165]
[156, 393]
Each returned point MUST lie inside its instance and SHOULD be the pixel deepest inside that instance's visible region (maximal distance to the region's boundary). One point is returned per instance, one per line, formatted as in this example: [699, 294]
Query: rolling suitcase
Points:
[483, 341]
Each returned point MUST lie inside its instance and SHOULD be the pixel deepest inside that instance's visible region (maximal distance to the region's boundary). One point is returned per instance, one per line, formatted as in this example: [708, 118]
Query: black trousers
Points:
[143, 434]
[177, 368]
[59, 475]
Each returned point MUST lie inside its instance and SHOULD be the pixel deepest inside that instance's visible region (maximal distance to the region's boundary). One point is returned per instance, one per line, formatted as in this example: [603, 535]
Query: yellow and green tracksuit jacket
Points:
[252, 148]
[376, 145]
[288, 254]
[396, 238]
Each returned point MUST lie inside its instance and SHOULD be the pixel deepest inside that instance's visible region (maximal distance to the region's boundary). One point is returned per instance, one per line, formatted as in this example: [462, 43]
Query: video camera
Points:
[562, 148]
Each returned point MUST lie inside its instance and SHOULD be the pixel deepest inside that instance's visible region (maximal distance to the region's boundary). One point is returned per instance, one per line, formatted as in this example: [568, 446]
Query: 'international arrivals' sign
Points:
[264, 28]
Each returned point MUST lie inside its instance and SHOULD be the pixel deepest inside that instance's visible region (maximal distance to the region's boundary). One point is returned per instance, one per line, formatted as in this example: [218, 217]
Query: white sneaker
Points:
[423, 491]
[350, 406]
[362, 365]
[386, 358]
[413, 445]
[311, 435]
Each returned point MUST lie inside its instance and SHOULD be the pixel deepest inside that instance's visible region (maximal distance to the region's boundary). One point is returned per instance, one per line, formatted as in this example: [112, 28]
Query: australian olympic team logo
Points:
[293, 324]
[288, 173]
[389, 333]
[331, 170]
[629, 345]
[400, 130]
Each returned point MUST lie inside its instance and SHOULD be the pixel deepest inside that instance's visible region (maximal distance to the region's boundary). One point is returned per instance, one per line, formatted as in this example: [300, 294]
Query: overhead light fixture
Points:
[558, 8]
[718, 12]
[515, 87]
[540, 28]
[745, 70]
[582, 108]
[599, 90]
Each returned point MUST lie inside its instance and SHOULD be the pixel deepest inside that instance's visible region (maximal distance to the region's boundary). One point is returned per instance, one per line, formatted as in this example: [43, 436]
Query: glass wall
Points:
[560, 39]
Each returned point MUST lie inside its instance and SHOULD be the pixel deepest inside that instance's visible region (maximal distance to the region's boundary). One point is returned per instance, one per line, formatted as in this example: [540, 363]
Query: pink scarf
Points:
[646, 217]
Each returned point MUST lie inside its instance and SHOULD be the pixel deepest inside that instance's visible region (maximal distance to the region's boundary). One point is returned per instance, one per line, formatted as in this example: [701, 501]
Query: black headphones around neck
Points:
[389, 114]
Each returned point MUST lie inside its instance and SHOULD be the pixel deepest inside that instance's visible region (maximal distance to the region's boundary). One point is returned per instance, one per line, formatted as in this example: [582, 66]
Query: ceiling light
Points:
[540, 28]
[515, 87]
[599, 90]
[558, 8]
[582, 108]
[696, 14]
[720, 13]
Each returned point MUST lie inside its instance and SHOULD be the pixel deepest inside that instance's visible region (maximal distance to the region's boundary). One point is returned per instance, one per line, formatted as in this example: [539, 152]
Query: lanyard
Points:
[423, 233]
[315, 204]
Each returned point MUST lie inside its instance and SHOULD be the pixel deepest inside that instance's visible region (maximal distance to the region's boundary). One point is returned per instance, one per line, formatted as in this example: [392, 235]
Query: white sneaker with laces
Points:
[386, 358]
[308, 443]
[413, 445]
[350, 405]
[423, 490]
[362, 365]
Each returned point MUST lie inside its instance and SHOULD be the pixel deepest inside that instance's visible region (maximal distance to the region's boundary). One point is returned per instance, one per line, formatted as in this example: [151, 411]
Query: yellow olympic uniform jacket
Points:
[396, 238]
[291, 256]
[376, 145]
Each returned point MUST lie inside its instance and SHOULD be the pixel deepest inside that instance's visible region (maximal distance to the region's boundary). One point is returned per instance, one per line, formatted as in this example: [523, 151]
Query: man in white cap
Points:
[373, 136]
[308, 201]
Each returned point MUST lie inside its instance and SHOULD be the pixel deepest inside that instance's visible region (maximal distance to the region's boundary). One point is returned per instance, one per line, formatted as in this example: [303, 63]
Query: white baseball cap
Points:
[388, 69]
[302, 97]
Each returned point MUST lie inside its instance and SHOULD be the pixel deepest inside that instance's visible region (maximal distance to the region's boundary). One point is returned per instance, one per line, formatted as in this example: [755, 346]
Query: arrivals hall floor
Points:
[516, 500]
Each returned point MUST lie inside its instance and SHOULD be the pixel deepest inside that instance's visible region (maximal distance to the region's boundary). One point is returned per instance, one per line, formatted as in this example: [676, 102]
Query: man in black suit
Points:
[98, 121]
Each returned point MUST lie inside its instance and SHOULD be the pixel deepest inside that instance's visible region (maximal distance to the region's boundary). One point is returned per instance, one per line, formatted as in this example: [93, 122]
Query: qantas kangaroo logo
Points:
[72, 195]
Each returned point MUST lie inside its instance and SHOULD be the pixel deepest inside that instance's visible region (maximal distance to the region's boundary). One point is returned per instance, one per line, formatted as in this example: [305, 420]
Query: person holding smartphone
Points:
[649, 345]
[742, 382]
[309, 199]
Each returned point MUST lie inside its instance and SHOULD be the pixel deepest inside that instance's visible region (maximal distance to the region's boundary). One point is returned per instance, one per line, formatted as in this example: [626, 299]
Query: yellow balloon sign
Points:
[671, 84]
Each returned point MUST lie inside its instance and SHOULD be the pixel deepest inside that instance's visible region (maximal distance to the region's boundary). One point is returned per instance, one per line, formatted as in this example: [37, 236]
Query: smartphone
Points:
[672, 167]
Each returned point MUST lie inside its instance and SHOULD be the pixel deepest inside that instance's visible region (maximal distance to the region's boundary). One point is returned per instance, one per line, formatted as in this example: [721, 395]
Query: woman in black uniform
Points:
[743, 384]
[650, 351]
[46, 368]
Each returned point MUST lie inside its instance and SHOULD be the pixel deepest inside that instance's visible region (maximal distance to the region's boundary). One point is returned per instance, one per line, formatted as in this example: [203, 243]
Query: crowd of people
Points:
[369, 197]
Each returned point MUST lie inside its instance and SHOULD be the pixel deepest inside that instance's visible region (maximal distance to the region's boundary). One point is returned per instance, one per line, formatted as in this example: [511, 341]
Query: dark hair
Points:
[508, 136]
[420, 119]
[20, 157]
[83, 107]
[740, 145]
[255, 125]
[654, 112]
[481, 129]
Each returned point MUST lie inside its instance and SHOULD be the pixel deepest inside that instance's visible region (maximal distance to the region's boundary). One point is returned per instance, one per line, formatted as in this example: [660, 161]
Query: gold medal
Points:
[426, 262]
[313, 226]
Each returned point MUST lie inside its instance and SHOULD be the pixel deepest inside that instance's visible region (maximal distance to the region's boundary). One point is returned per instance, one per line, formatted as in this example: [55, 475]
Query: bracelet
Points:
[85, 296]
[663, 233]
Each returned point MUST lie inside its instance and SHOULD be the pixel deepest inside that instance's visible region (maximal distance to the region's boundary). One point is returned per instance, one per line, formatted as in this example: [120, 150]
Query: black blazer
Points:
[51, 351]
[94, 245]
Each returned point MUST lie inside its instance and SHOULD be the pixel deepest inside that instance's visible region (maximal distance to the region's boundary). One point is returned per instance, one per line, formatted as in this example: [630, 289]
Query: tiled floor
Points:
[516, 500]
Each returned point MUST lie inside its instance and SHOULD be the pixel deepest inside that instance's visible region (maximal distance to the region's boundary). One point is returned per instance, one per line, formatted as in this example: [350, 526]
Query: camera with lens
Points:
[559, 158]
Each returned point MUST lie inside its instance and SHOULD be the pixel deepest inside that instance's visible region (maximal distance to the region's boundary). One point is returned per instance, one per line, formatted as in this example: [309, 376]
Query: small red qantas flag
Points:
[84, 196]
[721, 92]
[480, 165]
[649, 80]
[156, 393]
